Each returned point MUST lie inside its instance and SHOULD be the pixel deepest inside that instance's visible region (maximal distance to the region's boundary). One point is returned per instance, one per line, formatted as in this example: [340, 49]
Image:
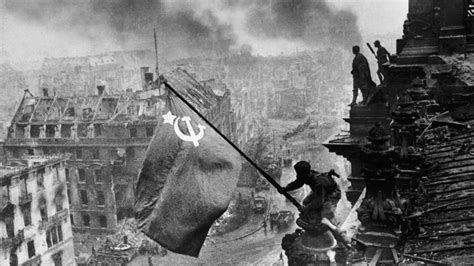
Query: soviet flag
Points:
[189, 173]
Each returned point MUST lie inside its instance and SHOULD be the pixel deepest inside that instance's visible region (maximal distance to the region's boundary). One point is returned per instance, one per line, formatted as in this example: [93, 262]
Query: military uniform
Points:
[323, 197]
[321, 202]
[382, 60]
[361, 75]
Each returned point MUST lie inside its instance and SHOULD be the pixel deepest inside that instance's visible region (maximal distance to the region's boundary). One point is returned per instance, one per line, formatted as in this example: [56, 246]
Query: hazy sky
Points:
[377, 16]
[26, 32]
[377, 19]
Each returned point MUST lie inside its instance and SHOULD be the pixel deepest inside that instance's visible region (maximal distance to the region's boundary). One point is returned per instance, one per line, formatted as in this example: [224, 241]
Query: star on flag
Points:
[169, 118]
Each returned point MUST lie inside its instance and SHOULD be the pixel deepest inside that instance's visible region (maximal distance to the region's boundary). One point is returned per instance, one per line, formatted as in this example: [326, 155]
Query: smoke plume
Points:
[184, 27]
[310, 21]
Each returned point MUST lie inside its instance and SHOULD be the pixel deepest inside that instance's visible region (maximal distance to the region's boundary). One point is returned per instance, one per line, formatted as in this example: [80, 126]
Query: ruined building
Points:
[107, 136]
[410, 145]
[35, 222]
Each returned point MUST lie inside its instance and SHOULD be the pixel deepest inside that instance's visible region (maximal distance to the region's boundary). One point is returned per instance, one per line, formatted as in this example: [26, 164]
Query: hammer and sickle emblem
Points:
[192, 134]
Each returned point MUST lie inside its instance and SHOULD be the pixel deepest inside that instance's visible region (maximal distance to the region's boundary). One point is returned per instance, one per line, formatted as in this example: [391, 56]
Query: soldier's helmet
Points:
[355, 49]
[302, 168]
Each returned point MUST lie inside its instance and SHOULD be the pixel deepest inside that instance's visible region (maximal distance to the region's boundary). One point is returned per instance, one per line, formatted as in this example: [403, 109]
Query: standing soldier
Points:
[361, 75]
[383, 59]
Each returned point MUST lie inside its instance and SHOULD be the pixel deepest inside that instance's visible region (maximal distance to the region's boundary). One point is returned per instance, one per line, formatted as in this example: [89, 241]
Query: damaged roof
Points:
[201, 97]
[448, 220]
[104, 108]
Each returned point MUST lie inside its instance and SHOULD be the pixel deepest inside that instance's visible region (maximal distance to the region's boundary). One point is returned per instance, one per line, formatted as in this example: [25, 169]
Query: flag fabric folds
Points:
[189, 173]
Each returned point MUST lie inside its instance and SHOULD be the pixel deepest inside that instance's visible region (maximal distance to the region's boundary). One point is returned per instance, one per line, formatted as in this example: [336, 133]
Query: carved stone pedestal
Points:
[381, 211]
[313, 245]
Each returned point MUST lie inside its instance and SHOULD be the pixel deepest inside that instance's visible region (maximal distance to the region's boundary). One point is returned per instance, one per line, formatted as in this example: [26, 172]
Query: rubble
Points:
[125, 245]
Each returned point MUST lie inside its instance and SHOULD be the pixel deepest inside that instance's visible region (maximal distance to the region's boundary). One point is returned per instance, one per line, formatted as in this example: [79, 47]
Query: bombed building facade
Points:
[35, 220]
[106, 136]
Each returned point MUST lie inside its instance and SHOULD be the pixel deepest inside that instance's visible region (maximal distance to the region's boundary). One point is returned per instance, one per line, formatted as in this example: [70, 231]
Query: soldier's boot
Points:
[380, 75]
[365, 95]
[341, 237]
[338, 234]
[354, 98]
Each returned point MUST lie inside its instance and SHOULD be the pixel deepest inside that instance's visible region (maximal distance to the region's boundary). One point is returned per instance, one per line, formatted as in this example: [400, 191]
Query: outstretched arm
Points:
[294, 185]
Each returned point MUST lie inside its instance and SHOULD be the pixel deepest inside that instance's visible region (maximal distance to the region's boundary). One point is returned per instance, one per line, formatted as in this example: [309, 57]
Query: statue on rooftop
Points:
[42, 133]
[27, 134]
[11, 131]
[407, 33]
[420, 26]
[57, 131]
[90, 131]
[74, 131]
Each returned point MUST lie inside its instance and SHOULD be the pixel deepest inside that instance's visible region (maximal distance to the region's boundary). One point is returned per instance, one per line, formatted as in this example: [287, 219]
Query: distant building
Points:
[35, 223]
[291, 103]
[78, 76]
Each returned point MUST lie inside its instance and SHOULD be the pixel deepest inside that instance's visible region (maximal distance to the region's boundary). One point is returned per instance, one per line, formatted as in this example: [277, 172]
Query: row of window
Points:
[85, 199]
[68, 131]
[26, 206]
[53, 237]
[99, 177]
[86, 220]
[78, 154]
[94, 154]
[39, 175]
[26, 209]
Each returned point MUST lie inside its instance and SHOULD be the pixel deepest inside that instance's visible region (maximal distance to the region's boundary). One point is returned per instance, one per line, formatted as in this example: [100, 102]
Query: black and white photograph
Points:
[236, 132]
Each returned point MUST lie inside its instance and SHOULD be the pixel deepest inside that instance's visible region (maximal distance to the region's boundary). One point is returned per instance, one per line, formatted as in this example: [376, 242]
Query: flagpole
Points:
[263, 173]
[156, 53]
